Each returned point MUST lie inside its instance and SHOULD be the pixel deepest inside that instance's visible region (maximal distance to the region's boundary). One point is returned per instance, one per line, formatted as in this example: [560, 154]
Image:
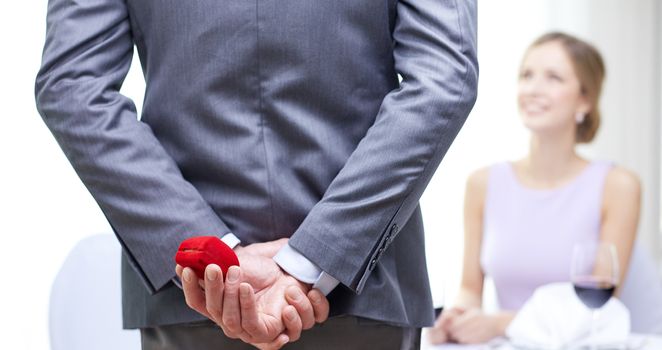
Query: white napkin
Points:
[554, 318]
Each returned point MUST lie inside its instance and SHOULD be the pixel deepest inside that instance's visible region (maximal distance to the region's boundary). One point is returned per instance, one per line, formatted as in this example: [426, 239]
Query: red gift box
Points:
[198, 252]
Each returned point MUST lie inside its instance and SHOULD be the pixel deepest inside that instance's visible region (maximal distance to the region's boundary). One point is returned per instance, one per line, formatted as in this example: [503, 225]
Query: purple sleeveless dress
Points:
[528, 234]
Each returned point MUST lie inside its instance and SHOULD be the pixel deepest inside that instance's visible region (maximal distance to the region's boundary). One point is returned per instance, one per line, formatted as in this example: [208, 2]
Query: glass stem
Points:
[594, 329]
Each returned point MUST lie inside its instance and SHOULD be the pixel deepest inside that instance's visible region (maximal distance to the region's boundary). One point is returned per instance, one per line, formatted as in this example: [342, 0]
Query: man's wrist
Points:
[304, 286]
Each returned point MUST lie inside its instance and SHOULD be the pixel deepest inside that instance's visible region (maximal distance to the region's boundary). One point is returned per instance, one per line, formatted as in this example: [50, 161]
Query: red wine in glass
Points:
[594, 294]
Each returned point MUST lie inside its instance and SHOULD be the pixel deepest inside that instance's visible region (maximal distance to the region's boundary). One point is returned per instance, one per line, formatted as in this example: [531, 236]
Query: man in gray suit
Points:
[279, 126]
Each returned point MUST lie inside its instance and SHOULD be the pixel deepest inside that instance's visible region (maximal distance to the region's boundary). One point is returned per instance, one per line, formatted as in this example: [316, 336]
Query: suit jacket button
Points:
[372, 264]
[390, 236]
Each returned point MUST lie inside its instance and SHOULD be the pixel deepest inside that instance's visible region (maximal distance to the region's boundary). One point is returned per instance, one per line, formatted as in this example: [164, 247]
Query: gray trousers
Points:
[345, 332]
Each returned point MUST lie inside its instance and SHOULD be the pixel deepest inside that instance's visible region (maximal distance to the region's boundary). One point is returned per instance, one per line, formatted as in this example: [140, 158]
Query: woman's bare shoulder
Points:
[477, 180]
[621, 181]
[479, 177]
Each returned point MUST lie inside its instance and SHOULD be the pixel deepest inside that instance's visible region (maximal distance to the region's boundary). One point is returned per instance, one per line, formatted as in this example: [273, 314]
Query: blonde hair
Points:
[590, 70]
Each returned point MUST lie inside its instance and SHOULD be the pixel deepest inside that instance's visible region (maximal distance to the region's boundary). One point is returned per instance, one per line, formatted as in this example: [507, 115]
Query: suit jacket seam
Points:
[262, 120]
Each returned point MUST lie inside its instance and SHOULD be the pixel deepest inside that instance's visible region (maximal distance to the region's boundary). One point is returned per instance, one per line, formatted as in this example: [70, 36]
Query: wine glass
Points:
[594, 275]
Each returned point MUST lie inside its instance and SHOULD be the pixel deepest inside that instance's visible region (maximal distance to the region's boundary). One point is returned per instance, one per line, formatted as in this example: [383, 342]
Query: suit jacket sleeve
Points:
[381, 183]
[138, 186]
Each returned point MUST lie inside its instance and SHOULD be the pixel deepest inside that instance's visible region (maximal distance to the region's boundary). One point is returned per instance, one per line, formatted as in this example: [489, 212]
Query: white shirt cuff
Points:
[304, 270]
[231, 240]
[325, 283]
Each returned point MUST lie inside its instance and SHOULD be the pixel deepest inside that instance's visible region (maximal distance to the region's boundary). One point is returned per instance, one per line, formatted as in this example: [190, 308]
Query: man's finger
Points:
[179, 269]
[296, 298]
[231, 318]
[278, 343]
[214, 287]
[320, 305]
[250, 321]
[195, 297]
[292, 323]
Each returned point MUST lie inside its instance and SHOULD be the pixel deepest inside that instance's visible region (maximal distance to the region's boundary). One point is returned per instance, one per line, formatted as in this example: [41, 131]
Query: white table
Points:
[636, 342]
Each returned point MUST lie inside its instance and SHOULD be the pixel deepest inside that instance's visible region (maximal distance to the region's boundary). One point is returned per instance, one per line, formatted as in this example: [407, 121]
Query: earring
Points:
[579, 117]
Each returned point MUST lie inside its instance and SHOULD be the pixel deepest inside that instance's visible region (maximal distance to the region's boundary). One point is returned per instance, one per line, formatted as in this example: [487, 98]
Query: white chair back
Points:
[85, 310]
[642, 292]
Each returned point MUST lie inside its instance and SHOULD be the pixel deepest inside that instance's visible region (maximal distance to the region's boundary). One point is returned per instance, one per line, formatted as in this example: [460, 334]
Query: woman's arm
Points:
[473, 325]
[471, 289]
[620, 215]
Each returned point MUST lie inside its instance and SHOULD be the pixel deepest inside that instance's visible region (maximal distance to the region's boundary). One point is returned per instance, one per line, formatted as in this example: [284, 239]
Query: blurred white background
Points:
[45, 209]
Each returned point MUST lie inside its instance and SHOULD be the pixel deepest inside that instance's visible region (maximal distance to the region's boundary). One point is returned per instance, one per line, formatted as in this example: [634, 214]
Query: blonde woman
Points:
[522, 218]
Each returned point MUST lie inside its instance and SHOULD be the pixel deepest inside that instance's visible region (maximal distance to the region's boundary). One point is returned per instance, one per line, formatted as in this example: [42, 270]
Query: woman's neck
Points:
[551, 160]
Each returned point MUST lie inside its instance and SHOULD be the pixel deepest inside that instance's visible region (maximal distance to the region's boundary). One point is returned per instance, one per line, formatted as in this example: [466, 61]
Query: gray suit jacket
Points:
[268, 119]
